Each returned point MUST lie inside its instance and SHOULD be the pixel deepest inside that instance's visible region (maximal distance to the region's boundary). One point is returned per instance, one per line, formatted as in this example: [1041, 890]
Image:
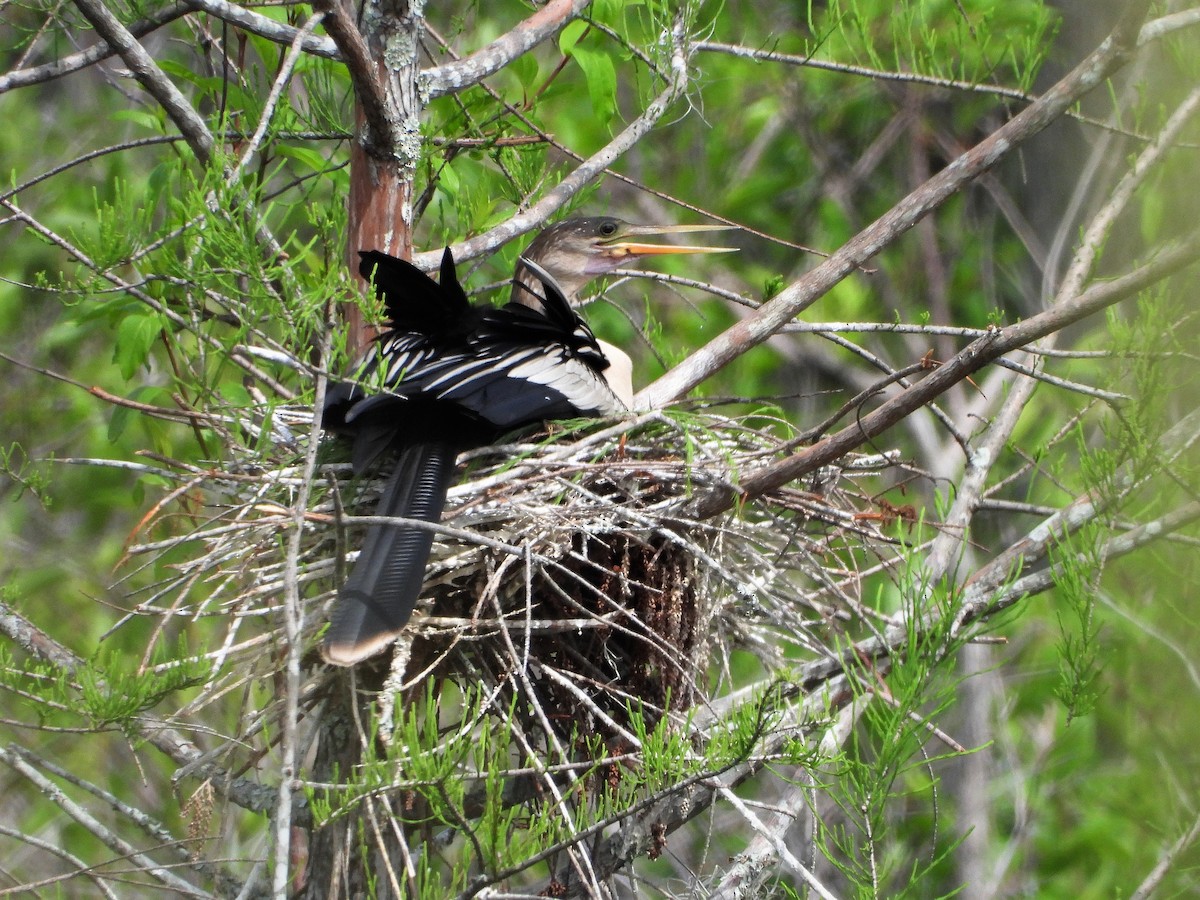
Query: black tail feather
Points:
[378, 598]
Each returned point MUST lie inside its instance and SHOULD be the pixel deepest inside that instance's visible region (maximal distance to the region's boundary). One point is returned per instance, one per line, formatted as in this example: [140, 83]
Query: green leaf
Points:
[123, 415]
[601, 76]
[525, 69]
[119, 422]
[305, 156]
[113, 690]
[448, 181]
[159, 182]
[612, 12]
[149, 121]
[569, 36]
[135, 336]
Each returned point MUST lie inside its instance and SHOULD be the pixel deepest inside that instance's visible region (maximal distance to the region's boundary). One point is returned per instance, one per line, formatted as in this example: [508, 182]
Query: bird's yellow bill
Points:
[629, 248]
[635, 248]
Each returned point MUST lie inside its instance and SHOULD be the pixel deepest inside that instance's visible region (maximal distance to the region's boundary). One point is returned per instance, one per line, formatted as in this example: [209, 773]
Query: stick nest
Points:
[570, 574]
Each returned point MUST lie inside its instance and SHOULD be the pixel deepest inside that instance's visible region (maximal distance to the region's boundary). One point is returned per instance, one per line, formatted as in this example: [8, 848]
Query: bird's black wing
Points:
[414, 302]
[556, 321]
[428, 320]
[526, 365]
[555, 307]
[510, 383]
[519, 366]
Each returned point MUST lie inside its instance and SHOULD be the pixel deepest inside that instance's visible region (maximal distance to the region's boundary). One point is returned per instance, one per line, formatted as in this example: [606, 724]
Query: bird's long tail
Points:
[378, 598]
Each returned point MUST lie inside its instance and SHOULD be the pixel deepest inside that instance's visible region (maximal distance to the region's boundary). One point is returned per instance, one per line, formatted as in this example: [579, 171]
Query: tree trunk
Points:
[383, 160]
[382, 163]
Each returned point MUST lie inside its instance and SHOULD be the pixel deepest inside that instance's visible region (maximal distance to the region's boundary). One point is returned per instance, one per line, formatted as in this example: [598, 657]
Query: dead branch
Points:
[785, 306]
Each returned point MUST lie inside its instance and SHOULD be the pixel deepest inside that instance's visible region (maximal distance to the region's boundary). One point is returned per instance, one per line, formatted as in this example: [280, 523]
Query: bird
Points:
[449, 375]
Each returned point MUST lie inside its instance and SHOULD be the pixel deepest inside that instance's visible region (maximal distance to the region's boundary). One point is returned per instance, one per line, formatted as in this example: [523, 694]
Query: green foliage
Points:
[1131, 454]
[107, 691]
[16, 465]
[112, 692]
[598, 70]
[120, 227]
[1078, 562]
[1134, 435]
[135, 336]
[987, 39]
[772, 285]
[888, 764]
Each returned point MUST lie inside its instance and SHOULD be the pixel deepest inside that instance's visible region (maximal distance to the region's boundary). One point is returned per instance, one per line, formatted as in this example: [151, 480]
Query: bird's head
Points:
[577, 250]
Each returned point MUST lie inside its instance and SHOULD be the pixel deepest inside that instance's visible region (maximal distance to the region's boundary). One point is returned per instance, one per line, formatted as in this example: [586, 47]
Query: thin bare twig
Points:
[98, 829]
[472, 69]
[282, 80]
[945, 549]
[972, 358]
[82, 869]
[248, 794]
[293, 621]
[146, 70]
[579, 178]
[73, 62]
[1154, 878]
[773, 315]
[271, 29]
[384, 130]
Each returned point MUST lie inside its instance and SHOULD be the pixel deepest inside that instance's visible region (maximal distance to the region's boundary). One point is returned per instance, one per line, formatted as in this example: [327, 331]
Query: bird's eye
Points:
[608, 229]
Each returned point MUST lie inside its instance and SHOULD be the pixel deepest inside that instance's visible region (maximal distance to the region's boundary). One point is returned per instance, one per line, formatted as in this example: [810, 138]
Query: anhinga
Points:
[448, 376]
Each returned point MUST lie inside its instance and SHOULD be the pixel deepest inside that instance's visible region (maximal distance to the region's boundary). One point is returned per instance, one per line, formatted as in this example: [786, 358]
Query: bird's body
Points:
[449, 375]
[446, 377]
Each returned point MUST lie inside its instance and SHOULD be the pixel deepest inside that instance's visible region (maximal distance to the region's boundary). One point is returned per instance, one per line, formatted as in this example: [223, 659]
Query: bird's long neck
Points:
[527, 286]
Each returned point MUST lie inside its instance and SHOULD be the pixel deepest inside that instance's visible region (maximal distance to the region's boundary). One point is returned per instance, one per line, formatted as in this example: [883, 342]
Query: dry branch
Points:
[146, 70]
[774, 315]
[558, 196]
[271, 29]
[972, 358]
[472, 69]
[73, 62]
